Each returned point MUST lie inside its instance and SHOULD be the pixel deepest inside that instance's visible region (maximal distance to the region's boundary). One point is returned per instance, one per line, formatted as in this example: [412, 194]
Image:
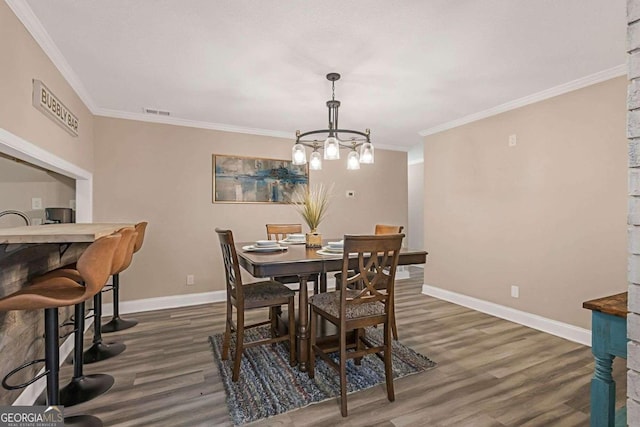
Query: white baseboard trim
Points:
[32, 392]
[174, 301]
[553, 327]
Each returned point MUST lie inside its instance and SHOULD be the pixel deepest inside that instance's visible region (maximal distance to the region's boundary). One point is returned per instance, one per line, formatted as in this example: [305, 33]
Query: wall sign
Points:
[45, 101]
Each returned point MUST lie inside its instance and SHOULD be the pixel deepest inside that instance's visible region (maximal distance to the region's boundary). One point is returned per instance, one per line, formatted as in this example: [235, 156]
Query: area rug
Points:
[268, 386]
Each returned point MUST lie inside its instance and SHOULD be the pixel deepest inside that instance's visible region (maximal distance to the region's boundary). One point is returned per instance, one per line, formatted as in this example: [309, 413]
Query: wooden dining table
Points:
[305, 262]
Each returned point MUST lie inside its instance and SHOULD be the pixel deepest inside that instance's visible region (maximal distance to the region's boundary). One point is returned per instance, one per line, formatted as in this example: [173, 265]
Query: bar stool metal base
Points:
[118, 324]
[102, 351]
[83, 421]
[85, 388]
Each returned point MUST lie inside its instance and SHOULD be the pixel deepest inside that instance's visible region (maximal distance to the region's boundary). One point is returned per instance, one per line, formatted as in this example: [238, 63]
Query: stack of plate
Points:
[334, 247]
[264, 246]
[294, 239]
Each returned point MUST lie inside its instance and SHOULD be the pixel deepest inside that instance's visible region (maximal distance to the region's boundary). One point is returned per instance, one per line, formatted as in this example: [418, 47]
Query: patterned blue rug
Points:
[268, 386]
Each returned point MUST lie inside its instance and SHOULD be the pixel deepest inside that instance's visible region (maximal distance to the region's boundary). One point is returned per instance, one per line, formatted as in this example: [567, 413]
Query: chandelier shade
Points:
[332, 140]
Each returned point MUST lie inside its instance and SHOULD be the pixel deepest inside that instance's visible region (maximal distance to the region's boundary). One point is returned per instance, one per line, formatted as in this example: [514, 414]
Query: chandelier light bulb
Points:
[331, 148]
[366, 153]
[353, 160]
[315, 161]
[298, 155]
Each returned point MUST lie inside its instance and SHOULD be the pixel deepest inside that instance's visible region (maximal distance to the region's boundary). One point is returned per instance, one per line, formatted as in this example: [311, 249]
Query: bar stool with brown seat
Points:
[280, 232]
[356, 309]
[117, 323]
[100, 350]
[94, 266]
[244, 297]
[380, 229]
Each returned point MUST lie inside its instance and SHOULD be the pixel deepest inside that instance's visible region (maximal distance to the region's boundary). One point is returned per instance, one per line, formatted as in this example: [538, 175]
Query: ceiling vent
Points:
[156, 112]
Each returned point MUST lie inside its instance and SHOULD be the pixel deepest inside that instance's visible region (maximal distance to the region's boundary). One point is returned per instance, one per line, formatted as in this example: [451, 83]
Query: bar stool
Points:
[94, 265]
[117, 323]
[100, 350]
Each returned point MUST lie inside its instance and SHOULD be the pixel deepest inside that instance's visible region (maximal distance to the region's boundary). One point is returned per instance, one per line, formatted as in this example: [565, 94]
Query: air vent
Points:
[156, 112]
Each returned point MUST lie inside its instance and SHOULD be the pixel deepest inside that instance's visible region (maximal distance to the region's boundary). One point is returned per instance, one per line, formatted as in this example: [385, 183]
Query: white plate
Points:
[323, 252]
[252, 248]
[333, 250]
[291, 242]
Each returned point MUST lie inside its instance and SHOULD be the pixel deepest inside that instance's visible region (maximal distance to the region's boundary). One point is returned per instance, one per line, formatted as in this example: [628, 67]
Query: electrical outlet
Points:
[515, 291]
[36, 203]
[191, 280]
[36, 221]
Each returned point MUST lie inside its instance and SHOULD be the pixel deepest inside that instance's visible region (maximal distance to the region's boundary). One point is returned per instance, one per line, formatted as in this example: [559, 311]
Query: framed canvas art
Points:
[239, 179]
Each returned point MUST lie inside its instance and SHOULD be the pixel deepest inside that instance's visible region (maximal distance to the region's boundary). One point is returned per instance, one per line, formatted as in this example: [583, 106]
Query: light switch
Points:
[36, 203]
[351, 194]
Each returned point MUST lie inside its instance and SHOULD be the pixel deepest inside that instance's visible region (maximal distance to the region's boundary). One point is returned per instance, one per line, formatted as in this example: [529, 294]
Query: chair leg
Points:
[388, 366]
[227, 333]
[292, 333]
[311, 368]
[273, 316]
[237, 358]
[359, 345]
[343, 371]
[394, 328]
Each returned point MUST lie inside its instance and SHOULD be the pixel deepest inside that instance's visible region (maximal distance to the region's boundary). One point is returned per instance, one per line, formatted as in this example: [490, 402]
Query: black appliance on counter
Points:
[59, 215]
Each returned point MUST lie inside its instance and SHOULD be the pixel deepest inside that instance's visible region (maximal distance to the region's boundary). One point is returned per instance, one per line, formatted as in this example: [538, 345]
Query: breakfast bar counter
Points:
[59, 233]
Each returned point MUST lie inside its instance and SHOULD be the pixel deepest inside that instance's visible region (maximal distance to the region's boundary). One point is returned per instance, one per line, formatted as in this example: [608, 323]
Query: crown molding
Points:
[142, 117]
[33, 25]
[592, 79]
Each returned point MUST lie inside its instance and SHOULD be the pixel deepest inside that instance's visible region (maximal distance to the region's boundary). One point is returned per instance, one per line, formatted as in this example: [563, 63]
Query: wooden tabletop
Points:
[59, 233]
[615, 305]
[298, 259]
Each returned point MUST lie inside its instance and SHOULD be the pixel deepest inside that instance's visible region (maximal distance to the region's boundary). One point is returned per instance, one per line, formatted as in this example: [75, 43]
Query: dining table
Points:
[298, 260]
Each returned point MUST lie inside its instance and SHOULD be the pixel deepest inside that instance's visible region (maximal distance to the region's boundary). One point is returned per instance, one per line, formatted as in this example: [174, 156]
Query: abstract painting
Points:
[239, 179]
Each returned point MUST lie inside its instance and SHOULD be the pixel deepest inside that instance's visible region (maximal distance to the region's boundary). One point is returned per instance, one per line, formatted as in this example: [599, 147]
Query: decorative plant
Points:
[312, 204]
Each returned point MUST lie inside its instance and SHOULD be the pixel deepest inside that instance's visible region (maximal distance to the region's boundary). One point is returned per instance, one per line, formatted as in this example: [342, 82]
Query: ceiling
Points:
[259, 66]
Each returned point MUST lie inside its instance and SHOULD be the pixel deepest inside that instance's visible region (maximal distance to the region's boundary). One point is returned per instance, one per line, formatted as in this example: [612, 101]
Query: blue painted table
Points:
[608, 340]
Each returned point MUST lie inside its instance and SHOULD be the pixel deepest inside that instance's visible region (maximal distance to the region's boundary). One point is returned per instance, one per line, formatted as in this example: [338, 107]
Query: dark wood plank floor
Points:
[490, 372]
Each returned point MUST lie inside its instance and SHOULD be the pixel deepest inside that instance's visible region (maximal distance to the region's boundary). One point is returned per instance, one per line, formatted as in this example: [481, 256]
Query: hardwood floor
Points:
[490, 372]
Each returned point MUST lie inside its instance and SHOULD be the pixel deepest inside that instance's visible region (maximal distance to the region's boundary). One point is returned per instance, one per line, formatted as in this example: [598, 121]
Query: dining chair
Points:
[355, 309]
[280, 232]
[380, 229]
[265, 294]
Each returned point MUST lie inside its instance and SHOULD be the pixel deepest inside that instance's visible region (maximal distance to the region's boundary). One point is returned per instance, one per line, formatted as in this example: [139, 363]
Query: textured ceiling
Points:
[407, 66]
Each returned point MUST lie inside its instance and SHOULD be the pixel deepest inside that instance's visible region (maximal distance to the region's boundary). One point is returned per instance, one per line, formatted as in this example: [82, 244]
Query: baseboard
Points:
[173, 301]
[159, 303]
[32, 392]
[553, 327]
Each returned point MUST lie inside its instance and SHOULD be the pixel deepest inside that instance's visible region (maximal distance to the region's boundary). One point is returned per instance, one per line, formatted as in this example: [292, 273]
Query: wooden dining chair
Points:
[355, 309]
[265, 294]
[380, 229]
[280, 232]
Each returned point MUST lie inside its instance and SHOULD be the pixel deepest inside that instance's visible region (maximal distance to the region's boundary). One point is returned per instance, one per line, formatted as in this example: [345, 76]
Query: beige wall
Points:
[548, 215]
[162, 174]
[22, 61]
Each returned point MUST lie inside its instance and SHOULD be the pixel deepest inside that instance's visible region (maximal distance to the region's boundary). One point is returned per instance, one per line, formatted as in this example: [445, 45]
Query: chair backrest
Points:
[280, 231]
[376, 259]
[141, 227]
[124, 250]
[231, 266]
[388, 229]
[95, 263]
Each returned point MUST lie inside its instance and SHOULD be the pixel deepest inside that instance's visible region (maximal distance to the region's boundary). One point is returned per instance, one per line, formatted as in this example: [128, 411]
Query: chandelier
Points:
[358, 143]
